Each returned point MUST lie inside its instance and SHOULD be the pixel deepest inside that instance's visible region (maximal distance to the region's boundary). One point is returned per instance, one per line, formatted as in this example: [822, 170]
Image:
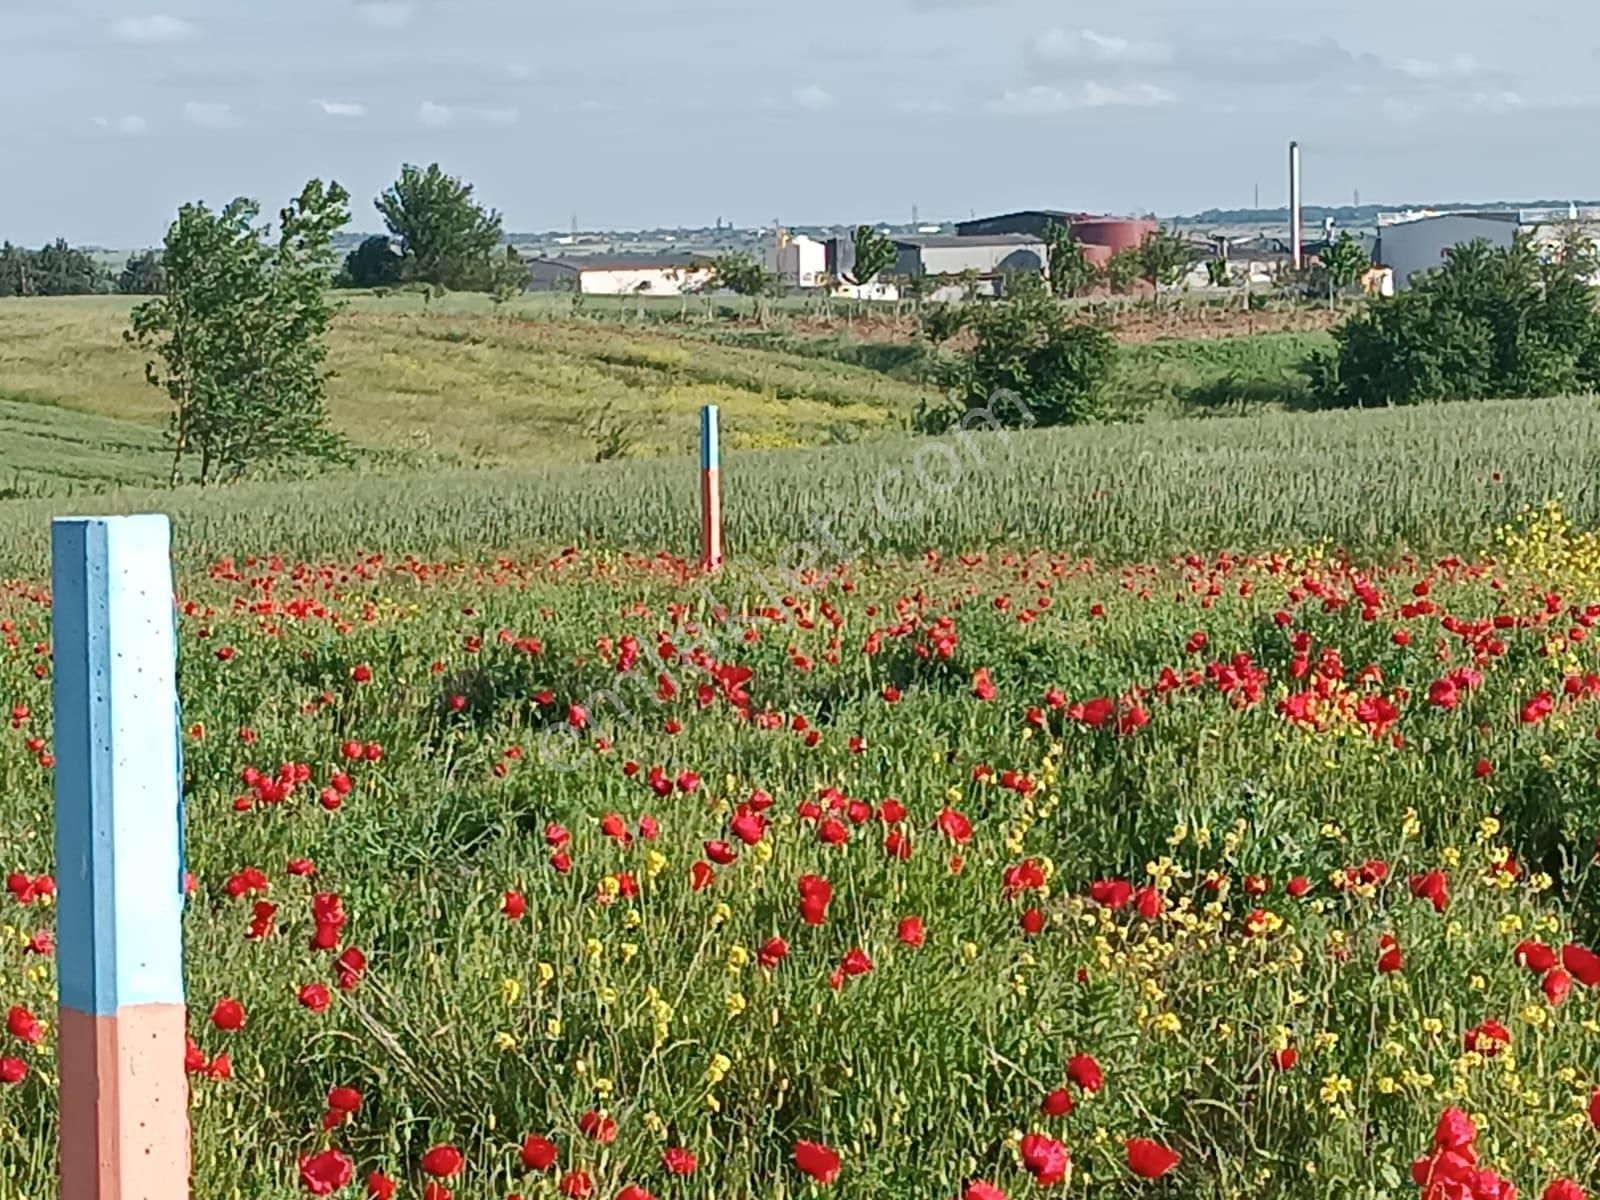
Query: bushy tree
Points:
[141, 275]
[240, 333]
[1071, 272]
[508, 276]
[1492, 322]
[1028, 345]
[875, 253]
[741, 274]
[1124, 269]
[1344, 262]
[446, 238]
[1164, 258]
[373, 264]
[16, 271]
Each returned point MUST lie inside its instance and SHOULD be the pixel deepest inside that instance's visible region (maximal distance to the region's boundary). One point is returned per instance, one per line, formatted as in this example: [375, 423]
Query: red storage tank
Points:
[1112, 233]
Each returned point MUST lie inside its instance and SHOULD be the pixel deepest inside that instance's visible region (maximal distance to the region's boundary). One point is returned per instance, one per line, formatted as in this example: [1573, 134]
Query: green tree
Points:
[1492, 322]
[16, 271]
[63, 270]
[240, 332]
[508, 276]
[1071, 272]
[141, 275]
[875, 253]
[1343, 264]
[1027, 344]
[741, 274]
[1164, 258]
[1125, 269]
[446, 238]
[373, 264]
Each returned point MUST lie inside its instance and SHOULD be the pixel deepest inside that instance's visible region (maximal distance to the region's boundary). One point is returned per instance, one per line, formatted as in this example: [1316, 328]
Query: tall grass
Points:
[1424, 478]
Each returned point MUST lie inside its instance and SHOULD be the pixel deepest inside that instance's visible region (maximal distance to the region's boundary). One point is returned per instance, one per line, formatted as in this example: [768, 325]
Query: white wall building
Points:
[798, 261]
[621, 274]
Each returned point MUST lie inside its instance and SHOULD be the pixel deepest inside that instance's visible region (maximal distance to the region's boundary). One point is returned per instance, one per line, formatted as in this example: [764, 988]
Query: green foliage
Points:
[54, 270]
[141, 275]
[1071, 273]
[1164, 258]
[1027, 345]
[446, 238]
[1345, 262]
[1493, 322]
[741, 274]
[508, 276]
[373, 264]
[241, 333]
[1218, 273]
[1124, 270]
[875, 253]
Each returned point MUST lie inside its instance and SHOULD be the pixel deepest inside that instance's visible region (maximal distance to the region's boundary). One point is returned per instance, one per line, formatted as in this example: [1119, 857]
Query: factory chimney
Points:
[1296, 229]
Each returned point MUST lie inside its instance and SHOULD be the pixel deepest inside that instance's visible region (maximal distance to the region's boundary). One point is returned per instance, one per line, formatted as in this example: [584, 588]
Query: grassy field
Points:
[1427, 479]
[958, 878]
[457, 384]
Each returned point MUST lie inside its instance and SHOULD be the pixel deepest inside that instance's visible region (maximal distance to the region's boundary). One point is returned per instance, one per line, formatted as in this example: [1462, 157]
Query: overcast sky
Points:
[629, 113]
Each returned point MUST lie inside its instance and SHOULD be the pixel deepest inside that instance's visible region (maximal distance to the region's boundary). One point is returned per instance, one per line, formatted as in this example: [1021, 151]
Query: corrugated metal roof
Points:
[983, 239]
[630, 262]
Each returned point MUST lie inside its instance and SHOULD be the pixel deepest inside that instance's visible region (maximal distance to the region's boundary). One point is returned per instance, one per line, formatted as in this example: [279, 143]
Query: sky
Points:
[646, 113]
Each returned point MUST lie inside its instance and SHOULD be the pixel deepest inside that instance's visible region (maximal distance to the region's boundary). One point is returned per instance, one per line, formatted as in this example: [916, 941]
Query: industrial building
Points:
[621, 274]
[990, 258]
[796, 261]
[1411, 247]
[1100, 237]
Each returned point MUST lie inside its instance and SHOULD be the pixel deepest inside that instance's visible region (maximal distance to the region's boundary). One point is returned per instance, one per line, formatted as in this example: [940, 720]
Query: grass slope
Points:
[44, 449]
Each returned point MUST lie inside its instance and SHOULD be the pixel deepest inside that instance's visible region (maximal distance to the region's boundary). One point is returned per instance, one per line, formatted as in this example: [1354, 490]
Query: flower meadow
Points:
[959, 877]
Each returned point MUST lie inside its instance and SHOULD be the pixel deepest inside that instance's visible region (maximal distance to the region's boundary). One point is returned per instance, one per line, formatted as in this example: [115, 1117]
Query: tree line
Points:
[59, 269]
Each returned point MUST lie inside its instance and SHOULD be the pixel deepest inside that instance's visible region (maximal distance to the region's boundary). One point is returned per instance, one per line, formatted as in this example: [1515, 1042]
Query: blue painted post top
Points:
[710, 439]
[119, 795]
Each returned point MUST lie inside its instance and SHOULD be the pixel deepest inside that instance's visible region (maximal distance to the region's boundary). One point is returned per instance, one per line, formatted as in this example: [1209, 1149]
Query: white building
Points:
[796, 260]
[621, 274]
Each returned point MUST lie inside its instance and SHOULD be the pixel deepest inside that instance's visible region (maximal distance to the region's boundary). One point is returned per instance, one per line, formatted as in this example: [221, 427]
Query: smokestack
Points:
[1296, 231]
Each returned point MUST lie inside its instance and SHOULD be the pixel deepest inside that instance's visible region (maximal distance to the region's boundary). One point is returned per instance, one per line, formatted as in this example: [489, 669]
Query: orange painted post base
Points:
[124, 1104]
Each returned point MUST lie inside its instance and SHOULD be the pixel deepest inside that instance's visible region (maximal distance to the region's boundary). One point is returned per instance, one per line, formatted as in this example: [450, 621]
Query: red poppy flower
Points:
[315, 996]
[1534, 955]
[1045, 1158]
[325, 1173]
[434, 1190]
[1032, 922]
[816, 1160]
[442, 1162]
[597, 1126]
[1057, 1104]
[577, 1185]
[344, 1099]
[1390, 959]
[514, 906]
[1286, 1058]
[381, 1187]
[634, 1192]
[1564, 1189]
[227, 1015]
[911, 932]
[1084, 1071]
[12, 1070]
[772, 953]
[1555, 985]
[538, 1154]
[24, 1026]
[679, 1161]
[982, 1189]
[1582, 964]
[1150, 1160]
[1488, 1038]
[1298, 886]
[982, 686]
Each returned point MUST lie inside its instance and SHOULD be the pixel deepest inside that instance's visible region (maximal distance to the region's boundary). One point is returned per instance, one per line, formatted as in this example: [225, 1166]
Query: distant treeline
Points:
[62, 270]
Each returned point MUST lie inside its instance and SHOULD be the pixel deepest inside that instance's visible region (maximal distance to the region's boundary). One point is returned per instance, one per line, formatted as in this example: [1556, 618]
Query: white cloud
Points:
[336, 108]
[130, 123]
[386, 14]
[158, 27]
[433, 114]
[1459, 66]
[811, 98]
[1060, 46]
[440, 115]
[1045, 99]
[209, 115]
